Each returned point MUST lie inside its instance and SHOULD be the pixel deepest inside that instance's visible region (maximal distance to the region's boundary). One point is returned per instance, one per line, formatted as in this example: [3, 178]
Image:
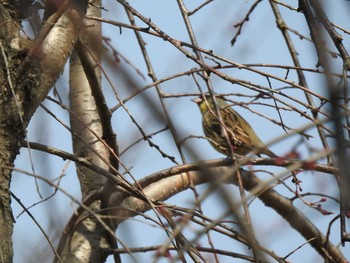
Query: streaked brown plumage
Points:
[241, 135]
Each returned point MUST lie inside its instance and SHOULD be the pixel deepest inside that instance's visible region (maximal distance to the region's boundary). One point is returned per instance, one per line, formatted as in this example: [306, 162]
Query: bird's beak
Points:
[197, 100]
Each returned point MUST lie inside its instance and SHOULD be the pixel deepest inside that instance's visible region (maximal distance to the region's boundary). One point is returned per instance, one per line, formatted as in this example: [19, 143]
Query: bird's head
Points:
[202, 102]
[205, 101]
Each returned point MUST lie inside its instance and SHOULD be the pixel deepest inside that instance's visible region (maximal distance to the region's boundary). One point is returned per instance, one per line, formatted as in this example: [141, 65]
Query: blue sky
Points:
[260, 42]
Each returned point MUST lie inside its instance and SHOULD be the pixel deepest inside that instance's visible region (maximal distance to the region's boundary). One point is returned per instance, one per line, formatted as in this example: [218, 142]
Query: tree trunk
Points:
[28, 71]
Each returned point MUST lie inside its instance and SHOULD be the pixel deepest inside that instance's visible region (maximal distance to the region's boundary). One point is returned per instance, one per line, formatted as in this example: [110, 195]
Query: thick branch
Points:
[164, 189]
[52, 54]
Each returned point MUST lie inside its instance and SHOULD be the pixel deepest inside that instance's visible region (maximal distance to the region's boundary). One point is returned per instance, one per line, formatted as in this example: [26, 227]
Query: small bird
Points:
[241, 136]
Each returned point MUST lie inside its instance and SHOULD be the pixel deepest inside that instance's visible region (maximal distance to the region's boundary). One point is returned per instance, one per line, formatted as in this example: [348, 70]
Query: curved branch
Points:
[165, 188]
[166, 183]
[51, 50]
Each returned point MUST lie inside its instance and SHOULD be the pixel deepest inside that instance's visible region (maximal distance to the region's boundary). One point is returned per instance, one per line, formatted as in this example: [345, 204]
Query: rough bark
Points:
[28, 71]
[11, 122]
